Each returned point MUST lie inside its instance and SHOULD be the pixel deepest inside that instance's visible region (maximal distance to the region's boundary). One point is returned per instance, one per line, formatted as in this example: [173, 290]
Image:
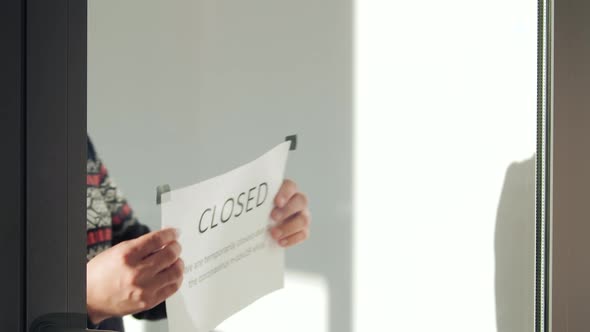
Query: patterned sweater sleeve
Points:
[125, 225]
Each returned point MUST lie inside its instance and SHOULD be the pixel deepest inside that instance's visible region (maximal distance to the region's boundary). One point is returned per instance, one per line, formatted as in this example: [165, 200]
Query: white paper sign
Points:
[230, 258]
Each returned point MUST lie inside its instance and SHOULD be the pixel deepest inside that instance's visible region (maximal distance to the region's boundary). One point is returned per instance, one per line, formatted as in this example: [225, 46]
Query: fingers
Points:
[162, 259]
[294, 239]
[297, 203]
[292, 214]
[156, 289]
[172, 275]
[159, 296]
[286, 192]
[145, 245]
[296, 224]
[167, 291]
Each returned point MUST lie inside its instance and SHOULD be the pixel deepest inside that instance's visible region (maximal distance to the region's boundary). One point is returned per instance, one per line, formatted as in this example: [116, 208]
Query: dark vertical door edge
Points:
[12, 309]
[55, 157]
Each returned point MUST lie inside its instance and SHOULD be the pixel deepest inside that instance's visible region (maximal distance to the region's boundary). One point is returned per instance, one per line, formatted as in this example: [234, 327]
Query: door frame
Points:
[43, 128]
[570, 267]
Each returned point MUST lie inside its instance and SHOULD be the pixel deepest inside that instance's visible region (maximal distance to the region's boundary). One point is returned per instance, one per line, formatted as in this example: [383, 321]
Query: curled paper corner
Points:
[160, 191]
[293, 140]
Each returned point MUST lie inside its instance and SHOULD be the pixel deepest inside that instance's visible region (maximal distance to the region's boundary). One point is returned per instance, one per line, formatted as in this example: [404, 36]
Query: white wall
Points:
[445, 102]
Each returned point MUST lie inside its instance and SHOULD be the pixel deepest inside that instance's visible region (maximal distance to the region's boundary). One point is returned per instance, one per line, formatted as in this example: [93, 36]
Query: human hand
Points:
[291, 214]
[133, 276]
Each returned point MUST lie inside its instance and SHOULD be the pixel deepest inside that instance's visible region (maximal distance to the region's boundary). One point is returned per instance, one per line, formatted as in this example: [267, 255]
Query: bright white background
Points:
[445, 102]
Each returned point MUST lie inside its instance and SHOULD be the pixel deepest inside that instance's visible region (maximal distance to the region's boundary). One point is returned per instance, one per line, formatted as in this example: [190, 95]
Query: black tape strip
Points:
[293, 139]
[160, 190]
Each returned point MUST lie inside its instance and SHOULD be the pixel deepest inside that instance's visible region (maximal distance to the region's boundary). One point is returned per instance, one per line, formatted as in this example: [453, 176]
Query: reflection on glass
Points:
[514, 248]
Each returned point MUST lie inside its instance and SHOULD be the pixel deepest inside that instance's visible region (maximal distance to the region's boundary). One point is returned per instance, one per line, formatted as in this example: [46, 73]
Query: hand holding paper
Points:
[292, 214]
[230, 257]
[134, 275]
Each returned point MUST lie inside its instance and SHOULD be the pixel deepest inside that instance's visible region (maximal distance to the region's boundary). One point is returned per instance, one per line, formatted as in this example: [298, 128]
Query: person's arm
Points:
[126, 227]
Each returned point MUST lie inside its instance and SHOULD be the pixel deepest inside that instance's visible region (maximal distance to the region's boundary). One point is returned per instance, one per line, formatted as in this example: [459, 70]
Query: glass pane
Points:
[445, 135]
[416, 125]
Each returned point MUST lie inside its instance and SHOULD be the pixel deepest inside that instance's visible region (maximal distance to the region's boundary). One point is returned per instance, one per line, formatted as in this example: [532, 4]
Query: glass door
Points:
[424, 146]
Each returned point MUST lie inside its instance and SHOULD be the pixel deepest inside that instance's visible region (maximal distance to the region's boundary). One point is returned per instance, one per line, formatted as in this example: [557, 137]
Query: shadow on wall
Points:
[515, 249]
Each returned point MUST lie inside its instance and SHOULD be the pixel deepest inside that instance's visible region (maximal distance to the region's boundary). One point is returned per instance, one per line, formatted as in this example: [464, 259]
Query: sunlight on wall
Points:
[445, 102]
[301, 306]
